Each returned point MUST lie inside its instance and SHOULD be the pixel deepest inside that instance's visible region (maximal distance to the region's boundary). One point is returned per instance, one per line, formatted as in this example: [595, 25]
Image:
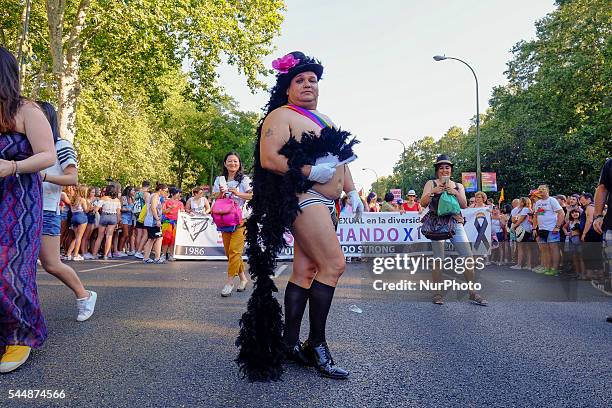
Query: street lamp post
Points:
[478, 173]
[372, 170]
[397, 140]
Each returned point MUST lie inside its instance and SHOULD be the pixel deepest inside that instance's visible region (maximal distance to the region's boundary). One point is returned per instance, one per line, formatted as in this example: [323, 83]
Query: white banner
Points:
[377, 233]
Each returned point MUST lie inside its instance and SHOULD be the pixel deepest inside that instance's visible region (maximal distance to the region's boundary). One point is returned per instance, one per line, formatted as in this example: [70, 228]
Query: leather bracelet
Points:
[45, 177]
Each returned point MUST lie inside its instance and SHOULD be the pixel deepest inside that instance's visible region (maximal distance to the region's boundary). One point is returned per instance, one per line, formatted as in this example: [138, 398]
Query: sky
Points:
[380, 79]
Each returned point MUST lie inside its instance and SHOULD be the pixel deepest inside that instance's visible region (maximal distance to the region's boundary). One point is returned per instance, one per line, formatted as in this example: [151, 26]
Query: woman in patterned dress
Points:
[26, 147]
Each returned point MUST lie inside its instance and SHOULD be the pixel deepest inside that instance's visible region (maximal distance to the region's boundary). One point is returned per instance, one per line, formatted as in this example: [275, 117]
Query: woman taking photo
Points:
[236, 186]
[26, 147]
[432, 191]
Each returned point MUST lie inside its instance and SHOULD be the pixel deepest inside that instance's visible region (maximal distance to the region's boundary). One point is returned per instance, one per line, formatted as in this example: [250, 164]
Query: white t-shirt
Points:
[66, 156]
[545, 210]
[525, 224]
[244, 187]
[515, 212]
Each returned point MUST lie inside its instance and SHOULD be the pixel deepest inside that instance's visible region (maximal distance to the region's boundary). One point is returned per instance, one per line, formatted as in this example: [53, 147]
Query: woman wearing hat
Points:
[411, 203]
[299, 174]
[432, 191]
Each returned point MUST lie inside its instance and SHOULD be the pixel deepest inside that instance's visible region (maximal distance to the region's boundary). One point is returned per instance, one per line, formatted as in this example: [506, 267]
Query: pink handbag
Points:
[226, 213]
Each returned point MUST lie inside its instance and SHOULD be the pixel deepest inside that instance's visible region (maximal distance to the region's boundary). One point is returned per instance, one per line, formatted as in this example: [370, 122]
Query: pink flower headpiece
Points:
[284, 64]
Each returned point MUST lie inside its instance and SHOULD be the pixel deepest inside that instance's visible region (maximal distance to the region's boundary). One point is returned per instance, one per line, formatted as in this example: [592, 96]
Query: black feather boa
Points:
[275, 208]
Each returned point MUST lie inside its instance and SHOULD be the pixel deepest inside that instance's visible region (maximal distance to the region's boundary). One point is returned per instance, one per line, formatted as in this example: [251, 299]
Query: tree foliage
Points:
[551, 123]
[114, 69]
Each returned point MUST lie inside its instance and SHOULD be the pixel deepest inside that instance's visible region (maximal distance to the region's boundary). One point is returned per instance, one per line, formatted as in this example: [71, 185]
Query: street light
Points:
[372, 170]
[397, 140]
[478, 173]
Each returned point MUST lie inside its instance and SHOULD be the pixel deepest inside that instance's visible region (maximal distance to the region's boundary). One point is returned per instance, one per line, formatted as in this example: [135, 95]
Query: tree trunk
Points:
[69, 89]
[66, 66]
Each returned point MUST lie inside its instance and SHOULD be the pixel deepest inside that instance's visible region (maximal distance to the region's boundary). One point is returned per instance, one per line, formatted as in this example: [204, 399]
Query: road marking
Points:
[109, 266]
[279, 270]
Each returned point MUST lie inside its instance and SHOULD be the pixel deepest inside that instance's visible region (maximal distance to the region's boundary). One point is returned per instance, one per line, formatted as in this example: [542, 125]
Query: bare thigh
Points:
[315, 234]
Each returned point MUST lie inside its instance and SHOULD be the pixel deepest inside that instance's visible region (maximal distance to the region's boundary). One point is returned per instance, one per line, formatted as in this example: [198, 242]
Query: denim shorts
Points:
[78, 218]
[91, 218]
[51, 223]
[126, 218]
[548, 237]
[460, 241]
[108, 219]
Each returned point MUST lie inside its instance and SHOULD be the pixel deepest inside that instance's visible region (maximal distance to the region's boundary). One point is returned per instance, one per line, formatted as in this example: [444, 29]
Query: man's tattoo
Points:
[269, 132]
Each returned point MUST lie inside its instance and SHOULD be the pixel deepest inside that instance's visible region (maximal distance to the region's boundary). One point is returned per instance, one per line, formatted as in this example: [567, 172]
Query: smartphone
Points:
[445, 179]
[222, 182]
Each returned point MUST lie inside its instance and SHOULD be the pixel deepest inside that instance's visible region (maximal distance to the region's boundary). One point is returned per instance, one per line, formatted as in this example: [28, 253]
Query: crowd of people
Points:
[111, 222]
[46, 214]
[550, 235]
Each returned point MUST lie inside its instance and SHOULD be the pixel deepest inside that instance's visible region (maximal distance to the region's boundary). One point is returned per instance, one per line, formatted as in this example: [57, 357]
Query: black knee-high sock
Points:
[320, 299]
[295, 304]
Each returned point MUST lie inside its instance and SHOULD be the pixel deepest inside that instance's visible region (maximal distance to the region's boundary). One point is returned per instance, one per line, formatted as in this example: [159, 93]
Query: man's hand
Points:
[322, 173]
[356, 204]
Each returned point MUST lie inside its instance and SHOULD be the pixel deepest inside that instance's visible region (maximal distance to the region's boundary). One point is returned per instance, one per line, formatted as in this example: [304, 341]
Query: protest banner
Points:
[377, 233]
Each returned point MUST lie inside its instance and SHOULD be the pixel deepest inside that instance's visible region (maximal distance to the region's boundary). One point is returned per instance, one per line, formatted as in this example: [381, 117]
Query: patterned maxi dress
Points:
[21, 320]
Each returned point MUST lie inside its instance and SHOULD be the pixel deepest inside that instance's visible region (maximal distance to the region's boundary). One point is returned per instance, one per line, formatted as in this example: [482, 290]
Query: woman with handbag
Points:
[235, 186]
[439, 226]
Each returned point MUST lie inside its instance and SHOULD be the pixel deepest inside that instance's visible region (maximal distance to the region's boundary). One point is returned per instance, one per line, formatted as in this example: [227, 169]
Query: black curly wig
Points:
[274, 209]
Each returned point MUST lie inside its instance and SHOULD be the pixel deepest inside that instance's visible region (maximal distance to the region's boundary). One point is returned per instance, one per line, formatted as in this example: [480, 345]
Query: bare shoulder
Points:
[276, 125]
[279, 116]
[29, 111]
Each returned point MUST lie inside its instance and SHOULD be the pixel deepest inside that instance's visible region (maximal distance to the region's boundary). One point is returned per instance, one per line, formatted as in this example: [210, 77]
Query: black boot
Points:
[321, 358]
[296, 354]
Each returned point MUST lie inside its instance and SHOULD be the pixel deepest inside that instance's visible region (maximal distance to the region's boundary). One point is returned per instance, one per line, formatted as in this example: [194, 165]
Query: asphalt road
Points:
[163, 337]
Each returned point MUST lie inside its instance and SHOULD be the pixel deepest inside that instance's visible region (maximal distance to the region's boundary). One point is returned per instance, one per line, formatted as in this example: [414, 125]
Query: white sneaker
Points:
[227, 290]
[171, 259]
[120, 254]
[139, 255]
[130, 253]
[86, 306]
[242, 286]
[66, 258]
[517, 267]
[88, 256]
[78, 258]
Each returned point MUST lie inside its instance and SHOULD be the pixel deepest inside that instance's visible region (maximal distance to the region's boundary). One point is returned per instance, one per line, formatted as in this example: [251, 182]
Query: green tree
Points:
[73, 43]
